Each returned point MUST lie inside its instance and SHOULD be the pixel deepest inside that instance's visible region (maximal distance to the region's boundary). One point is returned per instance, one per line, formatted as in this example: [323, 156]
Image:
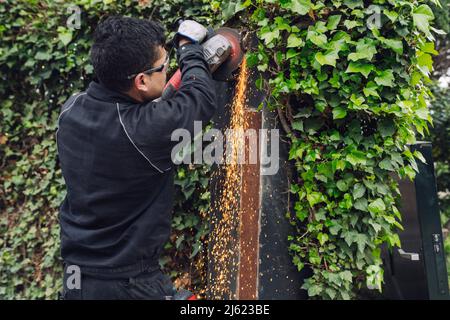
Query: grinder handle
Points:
[172, 86]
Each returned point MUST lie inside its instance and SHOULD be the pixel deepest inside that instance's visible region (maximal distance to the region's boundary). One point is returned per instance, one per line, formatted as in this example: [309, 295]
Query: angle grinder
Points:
[223, 53]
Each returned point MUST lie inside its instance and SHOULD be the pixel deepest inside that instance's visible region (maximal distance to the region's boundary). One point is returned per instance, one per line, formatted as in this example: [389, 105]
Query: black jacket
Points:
[115, 158]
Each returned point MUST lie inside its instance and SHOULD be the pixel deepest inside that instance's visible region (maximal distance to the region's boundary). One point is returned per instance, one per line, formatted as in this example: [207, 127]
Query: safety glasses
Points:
[154, 69]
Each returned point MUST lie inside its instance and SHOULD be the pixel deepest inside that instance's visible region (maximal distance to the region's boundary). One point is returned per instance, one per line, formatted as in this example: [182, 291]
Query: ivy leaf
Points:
[179, 241]
[335, 136]
[438, 31]
[371, 89]
[421, 19]
[356, 157]
[320, 27]
[333, 22]
[397, 158]
[340, 41]
[282, 24]
[385, 78]
[320, 105]
[314, 256]
[392, 15]
[196, 248]
[357, 101]
[230, 8]
[347, 203]
[342, 185]
[314, 290]
[335, 228]
[301, 7]
[386, 164]
[328, 58]
[361, 204]
[428, 47]
[346, 275]
[374, 277]
[89, 69]
[349, 24]
[358, 190]
[339, 113]
[292, 53]
[363, 68]
[331, 293]
[300, 212]
[65, 37]
[338, 165]
[296, 260]
[41, 55]
[386, 127]
[294, 41]
[268, 36]
[314, 198]
[361, 240]
[348, 237]
[252, 59]
[375, 226]
[420, 156]
[393, 240]
[396, 45]
[352, 4]
[382, 188]
[318, 39]
[320, 214]
[365, 49]
[297, 125]
[415, 78]
[345, 295]
[377, 206]
[425, 63]
[322, 237]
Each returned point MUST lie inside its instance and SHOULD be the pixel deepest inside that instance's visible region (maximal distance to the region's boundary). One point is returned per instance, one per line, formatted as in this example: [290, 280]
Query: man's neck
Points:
[134, 95]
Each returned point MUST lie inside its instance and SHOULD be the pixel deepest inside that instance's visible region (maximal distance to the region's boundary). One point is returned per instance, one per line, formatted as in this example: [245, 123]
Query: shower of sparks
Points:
[224, 237]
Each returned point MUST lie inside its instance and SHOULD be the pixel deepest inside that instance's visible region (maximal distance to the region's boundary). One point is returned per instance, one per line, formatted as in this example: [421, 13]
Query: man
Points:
[114, 148]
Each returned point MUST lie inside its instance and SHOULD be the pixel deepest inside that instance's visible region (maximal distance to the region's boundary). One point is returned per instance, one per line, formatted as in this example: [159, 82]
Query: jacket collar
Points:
[101, 92]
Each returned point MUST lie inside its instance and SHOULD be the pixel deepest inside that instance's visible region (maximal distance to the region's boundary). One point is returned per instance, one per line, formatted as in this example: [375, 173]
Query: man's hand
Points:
[183, 41]
[190, 31]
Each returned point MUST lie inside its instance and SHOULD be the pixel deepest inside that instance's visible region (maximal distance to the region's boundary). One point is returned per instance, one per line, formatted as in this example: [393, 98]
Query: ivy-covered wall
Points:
[349, 79]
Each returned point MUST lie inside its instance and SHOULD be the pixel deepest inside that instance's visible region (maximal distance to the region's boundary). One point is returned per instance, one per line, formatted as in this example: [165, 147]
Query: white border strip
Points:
[129, 138]
[59, 117]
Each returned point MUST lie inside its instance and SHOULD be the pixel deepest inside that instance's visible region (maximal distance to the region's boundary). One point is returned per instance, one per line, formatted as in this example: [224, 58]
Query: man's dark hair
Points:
[124, 46]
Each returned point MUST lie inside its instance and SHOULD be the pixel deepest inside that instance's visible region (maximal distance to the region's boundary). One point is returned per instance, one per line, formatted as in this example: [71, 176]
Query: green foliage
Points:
[442, 14]
[351, 80]
[42, 63]
[440, 138]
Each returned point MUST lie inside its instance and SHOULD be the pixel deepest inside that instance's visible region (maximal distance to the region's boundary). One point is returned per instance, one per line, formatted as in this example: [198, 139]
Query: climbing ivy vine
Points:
[348, 79]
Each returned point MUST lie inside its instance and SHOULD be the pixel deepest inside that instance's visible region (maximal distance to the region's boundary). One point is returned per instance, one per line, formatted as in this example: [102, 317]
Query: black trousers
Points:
[147, 285]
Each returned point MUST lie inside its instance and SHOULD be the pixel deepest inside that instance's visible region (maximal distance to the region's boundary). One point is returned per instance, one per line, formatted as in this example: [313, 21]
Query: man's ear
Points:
[139, 82]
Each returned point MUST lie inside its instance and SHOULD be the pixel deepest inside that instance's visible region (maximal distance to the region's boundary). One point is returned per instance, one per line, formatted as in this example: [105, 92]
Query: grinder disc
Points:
[226, 69]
